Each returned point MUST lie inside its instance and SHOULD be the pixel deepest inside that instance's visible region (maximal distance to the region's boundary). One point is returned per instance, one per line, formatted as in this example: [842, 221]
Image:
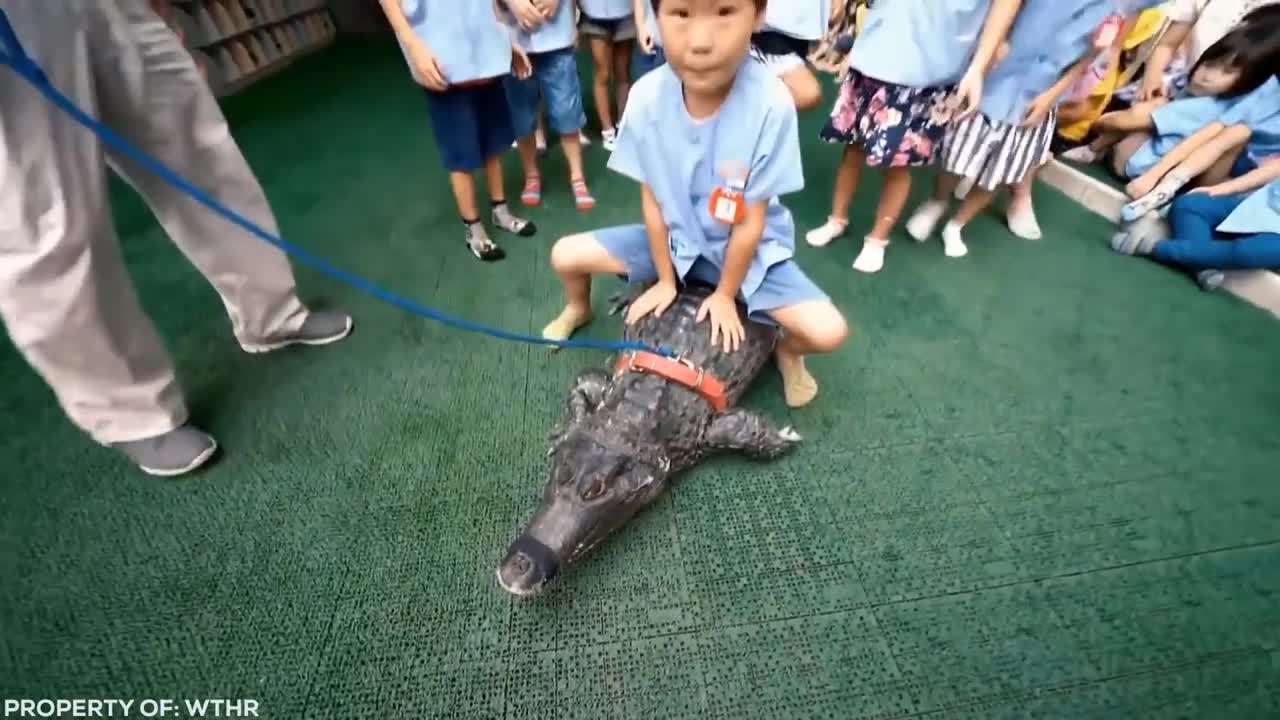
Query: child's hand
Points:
[520, 65]
[968, 94]
[644, 39]
[526, 13]
[426, 68]
[1039, 109]
[654, 300]
[725, 322]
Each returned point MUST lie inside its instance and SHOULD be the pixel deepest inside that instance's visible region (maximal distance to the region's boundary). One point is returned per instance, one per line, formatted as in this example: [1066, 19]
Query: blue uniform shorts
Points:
[472, 123]
[555, 82]
[785, 284]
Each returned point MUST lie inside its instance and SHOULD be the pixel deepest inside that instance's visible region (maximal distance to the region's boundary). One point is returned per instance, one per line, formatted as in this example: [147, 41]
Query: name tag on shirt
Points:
[1108, 32]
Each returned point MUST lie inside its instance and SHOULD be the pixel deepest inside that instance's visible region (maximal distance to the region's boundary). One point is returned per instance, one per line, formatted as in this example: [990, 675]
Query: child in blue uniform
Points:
[1234, 225]
[548, 41]
[1009, 138]
[711, 124]
[611, 29]
[460, 52]
[790, 28]
[906, 65]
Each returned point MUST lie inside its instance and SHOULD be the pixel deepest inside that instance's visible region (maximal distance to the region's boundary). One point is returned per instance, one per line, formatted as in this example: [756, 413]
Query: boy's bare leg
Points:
[804, 87]
[572, 145]
[575, 259]
[808, 328]
[532, 193]
[464, 194]
[1146, 182]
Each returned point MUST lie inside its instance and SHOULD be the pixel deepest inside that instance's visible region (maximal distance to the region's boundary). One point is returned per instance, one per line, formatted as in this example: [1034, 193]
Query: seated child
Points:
[1009, 138]
[1234, 66]
[908, 64]
[783, 42]
[549, 45]
[1234, 225]
[711, 119]
[459, 53]
[611, 29]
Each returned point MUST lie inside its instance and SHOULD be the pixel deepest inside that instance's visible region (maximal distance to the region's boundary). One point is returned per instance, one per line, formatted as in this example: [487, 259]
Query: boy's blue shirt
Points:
[606, 9]
[919, 43]
[803, 19]
[683, 161]
[556, 33]
[468, 40]
[1046, 39]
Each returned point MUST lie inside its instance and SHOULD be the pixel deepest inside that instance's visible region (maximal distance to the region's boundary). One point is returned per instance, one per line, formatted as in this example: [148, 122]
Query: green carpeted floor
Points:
[1039, 482]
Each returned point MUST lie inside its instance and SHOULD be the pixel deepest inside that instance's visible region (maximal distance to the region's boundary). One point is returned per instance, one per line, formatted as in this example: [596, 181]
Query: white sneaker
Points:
[871, 259]
[952, 243]
[609, 139]
[1023, 223]
[822, 236]
[922, 222]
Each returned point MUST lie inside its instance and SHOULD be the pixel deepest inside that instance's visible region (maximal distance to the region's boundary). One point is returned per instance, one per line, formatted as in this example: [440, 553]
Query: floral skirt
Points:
[896, 125]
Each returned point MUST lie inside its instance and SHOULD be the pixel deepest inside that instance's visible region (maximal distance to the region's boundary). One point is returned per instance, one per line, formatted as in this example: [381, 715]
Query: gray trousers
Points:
[65, 296]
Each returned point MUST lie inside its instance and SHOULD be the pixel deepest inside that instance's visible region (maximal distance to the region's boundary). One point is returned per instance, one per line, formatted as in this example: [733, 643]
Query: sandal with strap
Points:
[582, 196]
[531, 196]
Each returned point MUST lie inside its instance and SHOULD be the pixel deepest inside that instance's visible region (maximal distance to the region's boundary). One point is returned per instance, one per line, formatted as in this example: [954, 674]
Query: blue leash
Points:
[14, 56]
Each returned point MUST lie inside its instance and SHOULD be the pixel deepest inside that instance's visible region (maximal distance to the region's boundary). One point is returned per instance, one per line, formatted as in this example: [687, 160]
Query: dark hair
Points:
[1253, 46]
[760, 4]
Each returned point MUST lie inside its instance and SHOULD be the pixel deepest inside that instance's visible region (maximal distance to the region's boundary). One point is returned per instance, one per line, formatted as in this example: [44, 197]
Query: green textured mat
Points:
[1040, 482]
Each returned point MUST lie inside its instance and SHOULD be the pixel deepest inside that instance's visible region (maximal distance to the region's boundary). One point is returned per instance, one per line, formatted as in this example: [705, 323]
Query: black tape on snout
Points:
[541, 555]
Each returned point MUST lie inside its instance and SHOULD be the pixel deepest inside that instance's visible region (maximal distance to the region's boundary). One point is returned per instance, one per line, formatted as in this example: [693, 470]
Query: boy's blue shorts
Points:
[472, 124]
[785, 284]
[555, 81]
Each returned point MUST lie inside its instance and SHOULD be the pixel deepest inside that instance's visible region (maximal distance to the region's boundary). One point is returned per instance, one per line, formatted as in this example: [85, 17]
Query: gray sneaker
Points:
[320, 328]
[174, 453]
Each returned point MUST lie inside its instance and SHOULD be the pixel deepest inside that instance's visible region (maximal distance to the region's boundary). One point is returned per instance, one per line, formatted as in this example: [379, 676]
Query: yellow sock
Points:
[799, 388]
[563, 327]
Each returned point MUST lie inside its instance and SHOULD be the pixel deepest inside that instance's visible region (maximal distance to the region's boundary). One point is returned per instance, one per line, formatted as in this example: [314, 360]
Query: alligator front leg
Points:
[586, 395]
[620, 301]
[750, 433]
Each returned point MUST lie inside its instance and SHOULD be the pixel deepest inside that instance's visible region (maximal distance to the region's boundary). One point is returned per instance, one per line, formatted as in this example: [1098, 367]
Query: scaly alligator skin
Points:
[624, 438]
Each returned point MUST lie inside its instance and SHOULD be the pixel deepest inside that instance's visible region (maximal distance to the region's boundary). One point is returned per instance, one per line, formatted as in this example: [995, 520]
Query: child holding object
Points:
[711, 124]
[459, 52]
[906, 67]
[548, 41]
[1051, 43]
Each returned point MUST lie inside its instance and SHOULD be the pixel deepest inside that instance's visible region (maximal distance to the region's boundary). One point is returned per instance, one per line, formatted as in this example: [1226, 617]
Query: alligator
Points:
[626, 434]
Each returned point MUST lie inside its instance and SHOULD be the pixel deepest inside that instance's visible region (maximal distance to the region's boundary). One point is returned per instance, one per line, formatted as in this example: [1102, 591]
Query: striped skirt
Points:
[992, 154]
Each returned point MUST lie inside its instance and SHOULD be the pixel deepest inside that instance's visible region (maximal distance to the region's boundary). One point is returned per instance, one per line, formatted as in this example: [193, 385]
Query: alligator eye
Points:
[595, 491]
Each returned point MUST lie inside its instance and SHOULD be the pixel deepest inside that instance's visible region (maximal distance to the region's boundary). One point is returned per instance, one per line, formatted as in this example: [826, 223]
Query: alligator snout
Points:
[528, 567]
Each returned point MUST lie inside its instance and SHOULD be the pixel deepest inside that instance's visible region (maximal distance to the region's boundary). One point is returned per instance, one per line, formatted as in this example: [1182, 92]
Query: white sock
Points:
[962, 190]
[822, 236]
[922, 222]
[952, 243]
[871, 259]
[1081, 154]
[1022, 221]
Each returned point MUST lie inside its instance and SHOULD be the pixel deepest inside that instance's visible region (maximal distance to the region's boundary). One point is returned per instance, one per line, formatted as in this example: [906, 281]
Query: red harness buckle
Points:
[677, 371]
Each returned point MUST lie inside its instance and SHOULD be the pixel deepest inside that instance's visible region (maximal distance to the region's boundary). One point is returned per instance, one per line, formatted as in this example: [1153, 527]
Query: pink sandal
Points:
[531, 196]
[582, 196]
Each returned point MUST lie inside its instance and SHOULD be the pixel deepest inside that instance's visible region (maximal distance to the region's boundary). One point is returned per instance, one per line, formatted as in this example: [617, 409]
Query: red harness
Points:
[677, 371]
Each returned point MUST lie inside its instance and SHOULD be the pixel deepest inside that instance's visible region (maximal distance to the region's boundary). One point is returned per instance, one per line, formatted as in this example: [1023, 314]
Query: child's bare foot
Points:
[570, 319]
[798, 386]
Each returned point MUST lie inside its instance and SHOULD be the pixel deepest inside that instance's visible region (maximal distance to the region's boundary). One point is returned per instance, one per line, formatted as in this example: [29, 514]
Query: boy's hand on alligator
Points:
[724, 321]
[654, 300]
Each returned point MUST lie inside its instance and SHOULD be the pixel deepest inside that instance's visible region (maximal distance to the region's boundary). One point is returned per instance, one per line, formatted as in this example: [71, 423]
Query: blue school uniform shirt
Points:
[683, 160]
[556, 33]
[604, 9]
[1175, 122]
[468, 40]
[802, 19]
[1047, 38]
[1259, 213]
[919, 43]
